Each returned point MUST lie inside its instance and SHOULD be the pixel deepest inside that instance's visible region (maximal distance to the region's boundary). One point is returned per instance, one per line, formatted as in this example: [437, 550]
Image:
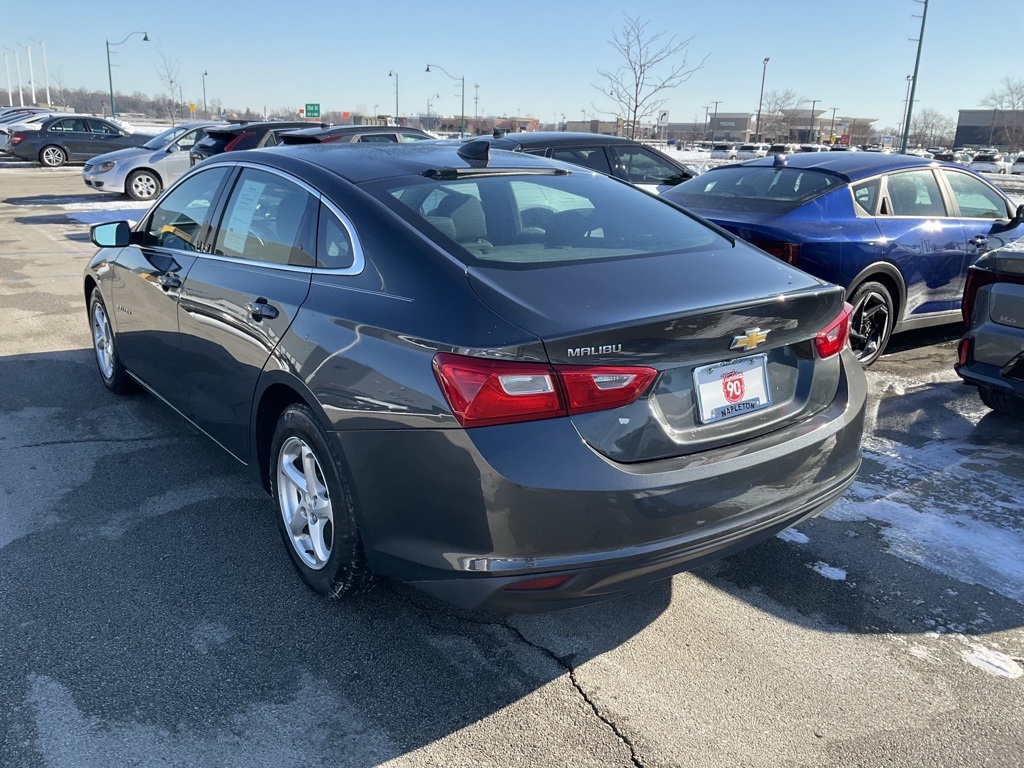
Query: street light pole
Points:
[206, 115]
[394, 74]
[704, 133]
[814, 103]
[714, 121]
[913, 83]
[462, 81]
[429, 100]
[10, 92]
[46, 70]
[906, 102]
[110, 75]
[760, 99]
[31, 74]
[832, 130]
[181, 104]
[17, 64]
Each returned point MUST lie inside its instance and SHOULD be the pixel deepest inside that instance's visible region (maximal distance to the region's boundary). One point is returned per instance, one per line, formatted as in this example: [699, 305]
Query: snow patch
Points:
[828, 571]
[993, 662]
[793, 535]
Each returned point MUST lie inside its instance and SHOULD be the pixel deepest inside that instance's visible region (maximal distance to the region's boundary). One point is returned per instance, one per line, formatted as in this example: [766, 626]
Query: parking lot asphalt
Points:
[149, 614]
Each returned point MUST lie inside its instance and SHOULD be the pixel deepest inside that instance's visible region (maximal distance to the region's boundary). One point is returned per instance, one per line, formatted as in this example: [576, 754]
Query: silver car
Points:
[144, 172]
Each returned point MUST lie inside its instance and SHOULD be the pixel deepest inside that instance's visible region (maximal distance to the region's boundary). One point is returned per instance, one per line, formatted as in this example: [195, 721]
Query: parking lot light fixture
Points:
[393, 73]
[110, 75]
[462, 82]
[814, 104]
[760, 99]
[832, 130]
[46, 70]
[206, 115]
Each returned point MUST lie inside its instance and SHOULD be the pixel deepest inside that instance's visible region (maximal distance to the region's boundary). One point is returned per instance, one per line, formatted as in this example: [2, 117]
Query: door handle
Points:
[261, 310]
[978, 241]
[169, 280]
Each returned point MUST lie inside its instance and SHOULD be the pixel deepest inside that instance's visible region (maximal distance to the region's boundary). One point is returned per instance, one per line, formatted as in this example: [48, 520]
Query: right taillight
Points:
[788, 252]
[832, 338]
[17, 138]
[484, 392]
[976, 280]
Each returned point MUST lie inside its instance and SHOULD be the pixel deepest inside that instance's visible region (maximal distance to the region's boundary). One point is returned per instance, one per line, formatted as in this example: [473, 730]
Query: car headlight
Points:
[104, 167]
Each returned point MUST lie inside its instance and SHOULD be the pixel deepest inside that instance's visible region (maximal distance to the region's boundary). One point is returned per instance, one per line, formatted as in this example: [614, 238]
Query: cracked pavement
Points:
[149, 614]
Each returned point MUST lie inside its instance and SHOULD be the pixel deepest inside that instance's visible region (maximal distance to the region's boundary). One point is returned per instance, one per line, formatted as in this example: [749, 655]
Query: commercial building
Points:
[1002, 128]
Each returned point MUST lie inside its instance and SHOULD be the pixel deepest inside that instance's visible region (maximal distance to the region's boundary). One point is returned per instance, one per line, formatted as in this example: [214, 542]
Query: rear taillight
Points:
[965, 352]
[233, 144]
[486, 392]
[17, 138]
[832, 338]
[788, 252]
[976, 280]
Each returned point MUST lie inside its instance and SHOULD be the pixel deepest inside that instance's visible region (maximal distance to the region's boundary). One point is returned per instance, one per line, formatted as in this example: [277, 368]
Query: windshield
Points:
[752, 188]
[527, 220]
[161, 140]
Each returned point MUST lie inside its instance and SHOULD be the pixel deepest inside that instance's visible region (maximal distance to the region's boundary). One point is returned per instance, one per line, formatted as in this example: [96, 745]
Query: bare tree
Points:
[167, 71]
[651, 66]
[929, 128]
[1009, 98]
[777, 113]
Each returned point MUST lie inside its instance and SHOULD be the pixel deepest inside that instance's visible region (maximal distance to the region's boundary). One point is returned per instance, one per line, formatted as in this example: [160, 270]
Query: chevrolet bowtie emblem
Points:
[750, 339]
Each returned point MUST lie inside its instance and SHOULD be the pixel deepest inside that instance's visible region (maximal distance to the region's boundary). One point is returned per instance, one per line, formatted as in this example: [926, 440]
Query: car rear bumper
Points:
[466, 514]
[996, 359]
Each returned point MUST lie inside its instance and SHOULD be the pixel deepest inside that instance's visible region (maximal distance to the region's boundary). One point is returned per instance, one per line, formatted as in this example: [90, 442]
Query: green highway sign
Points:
[312, 110]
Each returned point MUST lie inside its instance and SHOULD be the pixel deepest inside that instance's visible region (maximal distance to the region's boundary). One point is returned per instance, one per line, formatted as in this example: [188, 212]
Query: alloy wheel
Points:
[102, 341]
[305, 502]
[870, 326]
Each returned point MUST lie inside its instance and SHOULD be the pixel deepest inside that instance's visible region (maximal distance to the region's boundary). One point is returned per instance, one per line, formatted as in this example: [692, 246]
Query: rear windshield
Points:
[722, 146]
[763, 189]
[985, 158]
[532, 220]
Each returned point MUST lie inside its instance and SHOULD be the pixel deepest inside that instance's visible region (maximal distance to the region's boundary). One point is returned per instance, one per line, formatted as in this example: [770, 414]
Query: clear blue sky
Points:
[532, 58]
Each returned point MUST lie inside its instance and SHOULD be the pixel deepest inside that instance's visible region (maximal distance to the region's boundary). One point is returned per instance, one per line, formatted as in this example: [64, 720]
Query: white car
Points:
[812, 148]
[751, 151]
[783, 149]
[1018, 166]
[991, 162]
[724, 152]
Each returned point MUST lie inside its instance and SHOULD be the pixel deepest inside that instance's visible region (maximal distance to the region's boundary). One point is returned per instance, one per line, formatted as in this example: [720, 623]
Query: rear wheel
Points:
[53, 157]
[871, 322]
[142, 185]
[316, 509]
[1002, 402]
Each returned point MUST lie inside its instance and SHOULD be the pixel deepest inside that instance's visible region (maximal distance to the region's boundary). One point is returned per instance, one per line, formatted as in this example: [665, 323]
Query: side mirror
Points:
[113, 234]
[173, 148]
[1019, 215]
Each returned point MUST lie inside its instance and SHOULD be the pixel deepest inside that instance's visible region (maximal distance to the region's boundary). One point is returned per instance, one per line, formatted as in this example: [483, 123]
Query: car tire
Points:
[142, 185]
[52, 156]
[112, 372]
[871, 321]
[1002, 402]
[316, 509]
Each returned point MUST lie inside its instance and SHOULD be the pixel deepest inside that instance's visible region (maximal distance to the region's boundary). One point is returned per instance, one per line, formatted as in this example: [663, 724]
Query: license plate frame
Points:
[732, 388]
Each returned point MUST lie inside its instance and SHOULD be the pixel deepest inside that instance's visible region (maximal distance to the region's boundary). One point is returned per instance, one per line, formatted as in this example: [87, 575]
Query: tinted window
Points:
[866, 195]
[73, 124]
[269, 219]
[644, 166]
[175, 222]
[536, 219]
[914, 193]
[334, 245]
[976, 199]
[378, 137]
[98, 126]
[593, 158]
[413, 137]
[764, 189]
[189, 139]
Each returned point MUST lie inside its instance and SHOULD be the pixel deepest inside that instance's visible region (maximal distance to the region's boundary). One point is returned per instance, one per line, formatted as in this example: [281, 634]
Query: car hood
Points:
[128, 153]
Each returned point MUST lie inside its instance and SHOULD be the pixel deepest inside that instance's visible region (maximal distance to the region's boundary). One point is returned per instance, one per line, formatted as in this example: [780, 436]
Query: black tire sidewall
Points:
[868, 287]
[118, 382]
[346, 571]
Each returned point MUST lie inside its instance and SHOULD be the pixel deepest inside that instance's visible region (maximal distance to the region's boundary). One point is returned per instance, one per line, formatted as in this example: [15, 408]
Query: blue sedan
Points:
[898, 232]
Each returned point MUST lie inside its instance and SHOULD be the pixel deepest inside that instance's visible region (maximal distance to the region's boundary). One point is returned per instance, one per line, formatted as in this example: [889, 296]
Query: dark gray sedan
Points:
[73, 139]
[510, 382]
[991, 353]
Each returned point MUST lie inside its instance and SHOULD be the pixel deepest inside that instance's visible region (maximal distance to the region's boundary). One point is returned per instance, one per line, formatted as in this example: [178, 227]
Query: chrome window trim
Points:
[358, 259]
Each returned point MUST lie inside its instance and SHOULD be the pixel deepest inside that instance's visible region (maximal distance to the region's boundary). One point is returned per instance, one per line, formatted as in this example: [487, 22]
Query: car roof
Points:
[248, 126]
[850, 166]
[553, 139]
[359, 163]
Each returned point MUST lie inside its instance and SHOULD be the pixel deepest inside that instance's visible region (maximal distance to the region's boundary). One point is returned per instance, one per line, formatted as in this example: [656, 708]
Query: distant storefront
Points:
[990, 128]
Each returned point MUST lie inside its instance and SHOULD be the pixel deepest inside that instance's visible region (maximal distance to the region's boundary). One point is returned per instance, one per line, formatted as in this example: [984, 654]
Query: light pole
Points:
[429, 101]
[760, 99]
[110, 74]
[181, 104]
[171, 109]
[704, 134]
[394, 74]
[17, 64]
[31, 74]
[906, 102]
[462, 81]
[913, 82]
[714, 121]
[10, 92]
[476, 102]
[206, 115]
[832, 130]
[46, 70]
[814, 103]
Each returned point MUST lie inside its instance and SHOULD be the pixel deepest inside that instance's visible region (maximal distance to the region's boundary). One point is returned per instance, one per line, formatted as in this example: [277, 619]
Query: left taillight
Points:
[484, 392]
[831, 339]
[17, 138]
[788, 252]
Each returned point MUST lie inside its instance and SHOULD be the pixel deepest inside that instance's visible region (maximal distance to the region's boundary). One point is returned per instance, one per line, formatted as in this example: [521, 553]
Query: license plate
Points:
[732, 388]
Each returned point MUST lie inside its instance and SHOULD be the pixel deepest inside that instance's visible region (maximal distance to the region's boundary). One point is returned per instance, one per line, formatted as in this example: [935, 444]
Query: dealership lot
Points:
[150, 616]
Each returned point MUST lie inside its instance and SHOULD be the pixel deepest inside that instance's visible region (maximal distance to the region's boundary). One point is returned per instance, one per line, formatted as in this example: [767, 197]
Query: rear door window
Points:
[914, 193]
[866, 195]
[589, 157]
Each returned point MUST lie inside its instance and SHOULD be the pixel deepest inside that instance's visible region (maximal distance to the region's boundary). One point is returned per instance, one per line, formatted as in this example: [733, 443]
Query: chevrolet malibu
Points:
[513, 383]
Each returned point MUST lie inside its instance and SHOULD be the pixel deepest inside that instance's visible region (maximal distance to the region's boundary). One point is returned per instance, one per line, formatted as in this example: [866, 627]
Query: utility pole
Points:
[760, 99]
[46, 70]
[913, 83]
[476, 101]
[814, 103]
[206, 115]
[832, 130]
[714, 121]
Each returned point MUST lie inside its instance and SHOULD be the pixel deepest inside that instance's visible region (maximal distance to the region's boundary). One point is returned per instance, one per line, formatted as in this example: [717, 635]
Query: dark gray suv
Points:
[508, 381]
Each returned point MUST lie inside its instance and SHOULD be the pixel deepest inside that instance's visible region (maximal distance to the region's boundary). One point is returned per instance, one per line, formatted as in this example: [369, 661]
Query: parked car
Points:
[510, 382]
[959, 158]
[143, 172]
[31, 122]
[751, 151]
[783, 149]
[991, 353]
[724, 151]
[814, 148]
[1018, 166]
[897, 232]
[991, 162]
[617, 156]
[60, 140]
[244, 135]
[353, 133]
